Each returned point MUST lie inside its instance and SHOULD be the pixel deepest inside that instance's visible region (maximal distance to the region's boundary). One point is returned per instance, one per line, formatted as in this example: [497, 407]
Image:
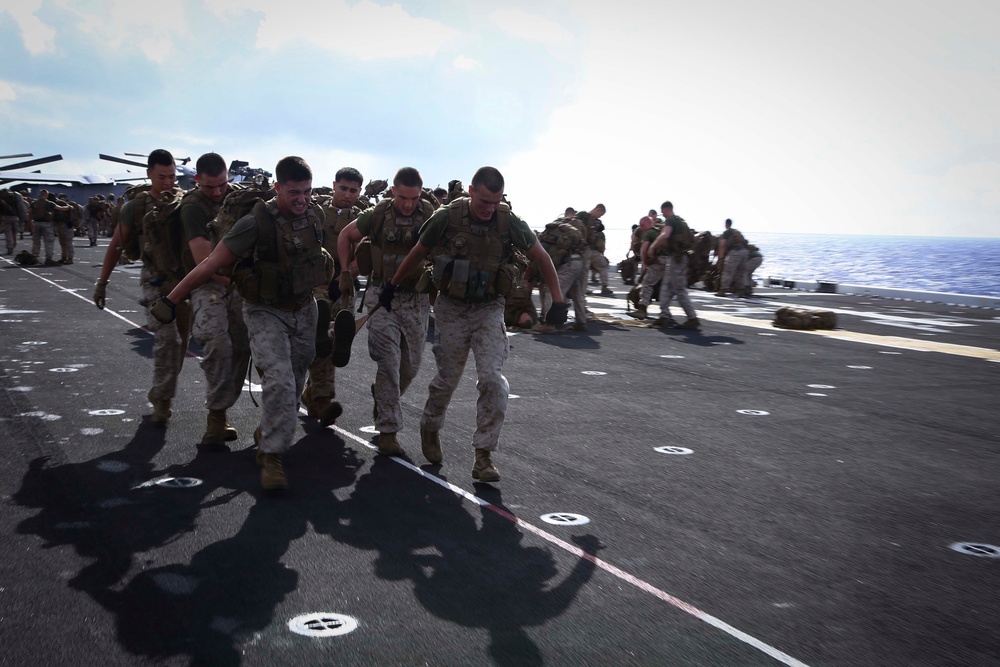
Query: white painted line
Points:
[675, 602]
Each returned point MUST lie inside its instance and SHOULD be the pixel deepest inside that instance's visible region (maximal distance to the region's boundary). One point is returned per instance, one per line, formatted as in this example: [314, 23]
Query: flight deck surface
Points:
[738, 495]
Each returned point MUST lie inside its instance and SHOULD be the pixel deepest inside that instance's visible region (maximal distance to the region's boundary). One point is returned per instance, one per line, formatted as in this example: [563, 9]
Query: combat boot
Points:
[692, 323]
[388, 445]
[483, 469]
[272, 471]
[215, 430]
[51, 262]
[665, 322]
[640, 312]
[430, 444]
[161, 409]
[607, 291]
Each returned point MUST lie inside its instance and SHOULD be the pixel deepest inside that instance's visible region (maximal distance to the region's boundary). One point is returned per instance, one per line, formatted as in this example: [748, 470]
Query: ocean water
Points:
[927, 263]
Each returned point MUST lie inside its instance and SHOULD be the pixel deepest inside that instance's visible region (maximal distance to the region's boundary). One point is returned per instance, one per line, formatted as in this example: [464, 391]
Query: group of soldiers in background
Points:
[47, 219]
[731, 273]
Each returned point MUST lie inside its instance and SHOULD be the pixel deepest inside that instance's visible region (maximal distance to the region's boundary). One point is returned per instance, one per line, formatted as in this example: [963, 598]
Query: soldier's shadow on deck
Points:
[700, 338]
[472, 574]
[205, 609]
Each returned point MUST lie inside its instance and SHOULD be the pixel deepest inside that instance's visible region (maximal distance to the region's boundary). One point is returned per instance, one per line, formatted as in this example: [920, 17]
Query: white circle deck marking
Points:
[821, 386]
[671, 356]
[565, 519]
[322, 624]
[19, 388]
[756, 413]
[720, 342]
[594, 373]
[113, 466]
[513, 396]
[670, 449]
[761, 333]
[368, 429]
[34, 342]
[861, 368]
[974, 549]
[178, 482]
[813, 393]
[107, 412]
[64, 370]
[888, 352]
[91, 431]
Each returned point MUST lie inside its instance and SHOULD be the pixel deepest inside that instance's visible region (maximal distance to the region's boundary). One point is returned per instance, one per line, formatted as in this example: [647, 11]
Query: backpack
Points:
[237, 204]
[681, 238]
[8, 205]
[787, 317]
[561, 239]
[162, 242]
[25, 258]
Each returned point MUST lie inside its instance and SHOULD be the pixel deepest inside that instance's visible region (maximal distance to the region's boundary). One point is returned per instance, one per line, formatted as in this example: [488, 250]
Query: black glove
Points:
[100, 294]
[333, 290]
[385, 296]
[164, 310]
[558, 312]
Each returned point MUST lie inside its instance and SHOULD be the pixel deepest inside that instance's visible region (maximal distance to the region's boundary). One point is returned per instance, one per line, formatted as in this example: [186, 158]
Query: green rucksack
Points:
[561, 239]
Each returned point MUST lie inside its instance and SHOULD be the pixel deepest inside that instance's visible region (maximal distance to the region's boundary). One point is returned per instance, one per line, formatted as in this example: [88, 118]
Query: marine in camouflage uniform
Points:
[170, 341]
[320, 390]
[64, 225]
[42, 212]
[217, 307]
[732, 252]
[472, 239]
[567, 256]
[670, 250]
[395, 338]
[13, 214]
[284, 239]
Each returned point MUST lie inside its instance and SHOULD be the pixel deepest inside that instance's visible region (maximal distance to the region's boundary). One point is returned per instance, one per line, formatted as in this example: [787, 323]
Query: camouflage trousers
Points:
[734, 270]
[42, 230]
[92, 228]
[672, 274]
[283, 344]
[599, 263]
[459, 328]
[65, 234]
[573, 281]
[396, 344]
[752, 264]
[219, 329]
[9, 224]
[321, 382]
[170, 343]
[582, 281]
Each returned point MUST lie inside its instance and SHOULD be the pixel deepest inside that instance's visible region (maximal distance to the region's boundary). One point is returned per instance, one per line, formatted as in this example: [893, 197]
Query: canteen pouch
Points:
[459, 279]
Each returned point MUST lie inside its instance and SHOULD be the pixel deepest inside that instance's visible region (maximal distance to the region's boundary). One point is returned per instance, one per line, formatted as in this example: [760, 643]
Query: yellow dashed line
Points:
[838, 334]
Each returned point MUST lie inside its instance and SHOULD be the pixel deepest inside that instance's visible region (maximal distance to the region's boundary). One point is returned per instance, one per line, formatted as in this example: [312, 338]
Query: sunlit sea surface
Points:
[936, 264]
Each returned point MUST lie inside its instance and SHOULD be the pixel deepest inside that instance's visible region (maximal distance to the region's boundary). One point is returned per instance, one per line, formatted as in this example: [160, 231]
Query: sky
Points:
[853, 117]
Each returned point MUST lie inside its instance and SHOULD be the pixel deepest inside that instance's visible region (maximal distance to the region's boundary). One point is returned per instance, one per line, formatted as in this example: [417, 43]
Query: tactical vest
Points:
[562, 239]
[288, 261]
[392, 237]
[62, 215]
[735, 240]
[477, 261]
[681, 237]
[196, 198]
[40, 212]
[337, 220]
[162, 242]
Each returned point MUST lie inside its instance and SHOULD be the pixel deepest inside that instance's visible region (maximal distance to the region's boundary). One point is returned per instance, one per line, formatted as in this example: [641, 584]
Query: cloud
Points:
[364, 30]
[463, 62]
[126, 25]
[519, 24]
[37, 36]
[7, 93]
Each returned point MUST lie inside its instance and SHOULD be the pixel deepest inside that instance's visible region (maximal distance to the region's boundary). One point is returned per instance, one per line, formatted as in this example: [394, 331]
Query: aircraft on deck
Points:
[78, 187]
